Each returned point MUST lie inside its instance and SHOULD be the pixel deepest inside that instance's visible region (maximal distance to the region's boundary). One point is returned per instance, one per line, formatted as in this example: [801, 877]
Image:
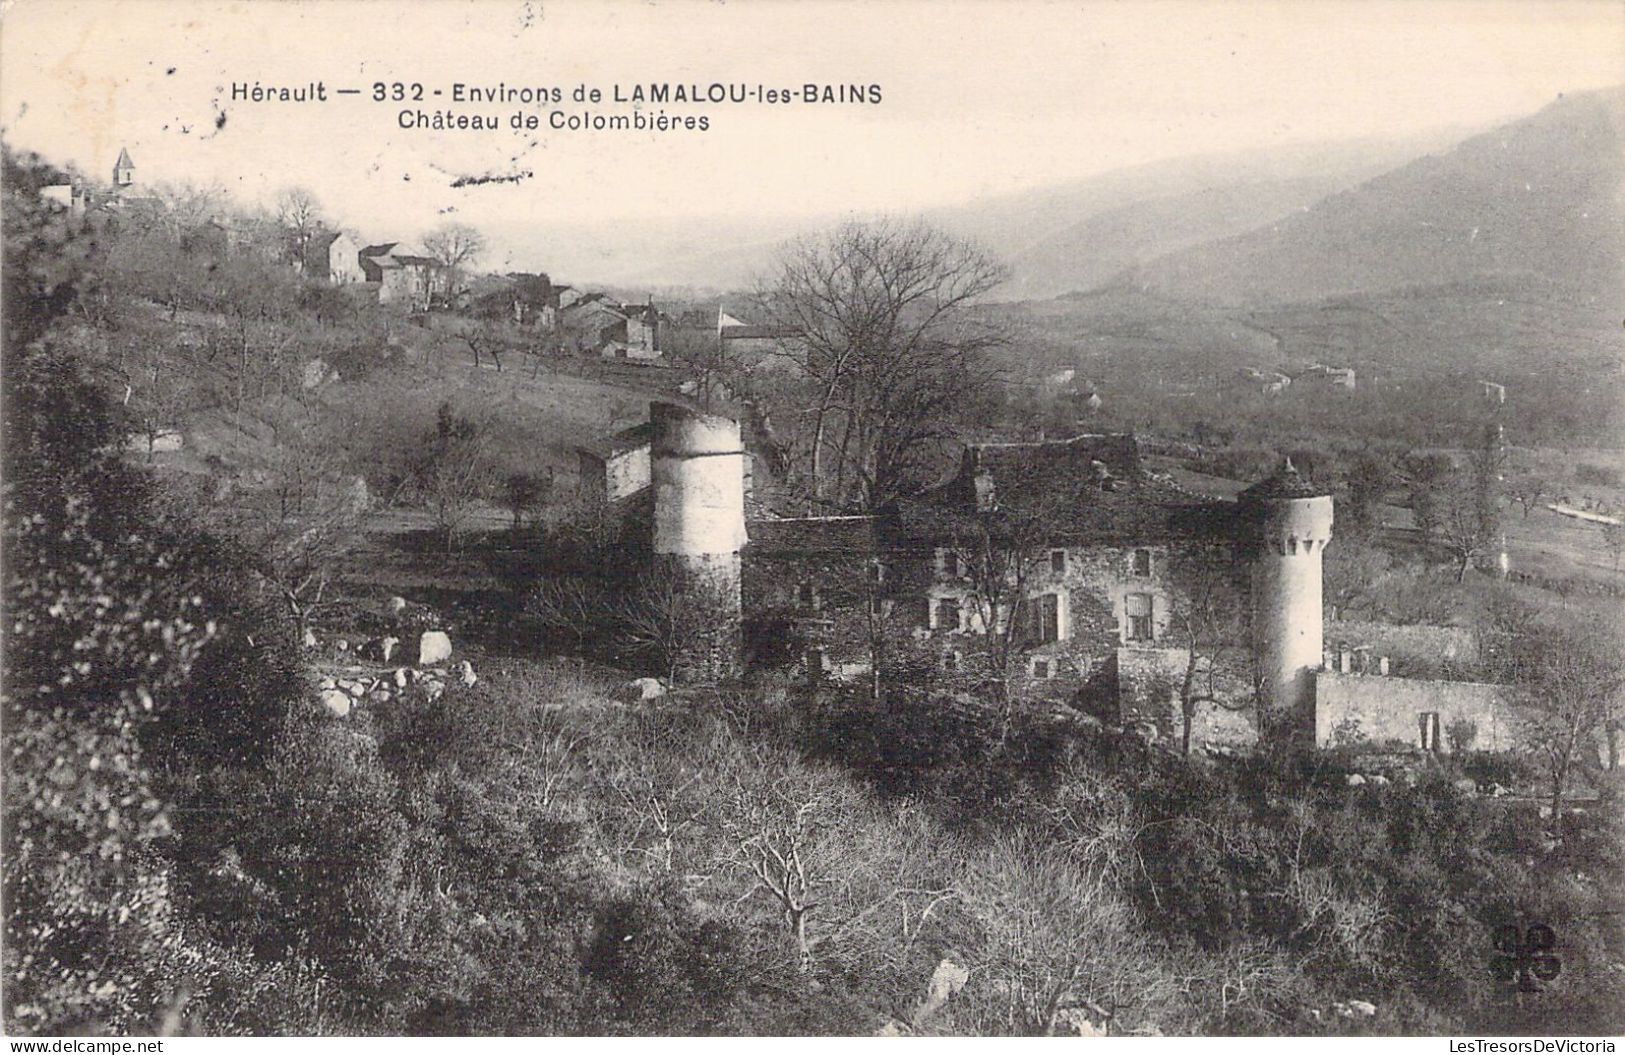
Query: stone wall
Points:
[1413, 651]
[1364, 708]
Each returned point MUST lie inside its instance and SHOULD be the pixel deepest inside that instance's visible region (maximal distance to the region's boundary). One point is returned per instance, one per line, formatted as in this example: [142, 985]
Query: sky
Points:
[978, 98]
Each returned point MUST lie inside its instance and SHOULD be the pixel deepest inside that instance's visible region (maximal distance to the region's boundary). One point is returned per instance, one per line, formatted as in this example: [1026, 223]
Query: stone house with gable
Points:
[334, 257]
[400, 275]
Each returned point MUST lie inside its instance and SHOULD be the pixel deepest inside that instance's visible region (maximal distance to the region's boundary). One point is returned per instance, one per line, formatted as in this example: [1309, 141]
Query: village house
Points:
[401, 276]
[644, 325]
[335, 258]
[535, 299]
[593, 323]
[614, 467]
[1318, 375]
[747, 343]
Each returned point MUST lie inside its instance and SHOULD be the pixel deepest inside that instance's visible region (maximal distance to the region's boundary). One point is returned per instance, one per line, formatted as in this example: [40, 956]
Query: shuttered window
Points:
[1137, 607]
[1049, 617]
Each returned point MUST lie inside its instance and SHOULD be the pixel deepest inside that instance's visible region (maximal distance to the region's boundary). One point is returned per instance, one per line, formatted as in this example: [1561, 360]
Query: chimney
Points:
[1345, 661]
[1382, 666]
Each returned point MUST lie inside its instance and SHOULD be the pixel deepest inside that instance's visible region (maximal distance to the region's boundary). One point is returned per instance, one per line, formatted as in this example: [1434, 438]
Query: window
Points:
[807, 596]
[948, 563]
[877, 572]
[947, 613]
[1041, 668]
[1429, 722]
[814, 659]
[1049, 617]
[877, 607]
[1142, 563]
[950, 662]
[1137, 607]
[1057, 561]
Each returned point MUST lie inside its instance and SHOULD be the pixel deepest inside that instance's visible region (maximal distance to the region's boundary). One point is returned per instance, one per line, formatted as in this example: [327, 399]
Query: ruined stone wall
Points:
[1413, 651]
[795, 603]
[1364, 708]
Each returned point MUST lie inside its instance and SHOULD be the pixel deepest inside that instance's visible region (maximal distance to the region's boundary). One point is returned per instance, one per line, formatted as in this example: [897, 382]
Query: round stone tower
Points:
[1292, 521]
[697, 466]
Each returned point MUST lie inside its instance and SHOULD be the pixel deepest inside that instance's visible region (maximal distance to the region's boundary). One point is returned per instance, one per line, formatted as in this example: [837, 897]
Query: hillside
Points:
[1088, 253]
[1541, 196]
[1057, 237]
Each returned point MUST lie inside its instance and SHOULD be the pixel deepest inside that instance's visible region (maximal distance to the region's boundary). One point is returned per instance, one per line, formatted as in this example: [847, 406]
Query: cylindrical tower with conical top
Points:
[1292, 521]
[697, 464]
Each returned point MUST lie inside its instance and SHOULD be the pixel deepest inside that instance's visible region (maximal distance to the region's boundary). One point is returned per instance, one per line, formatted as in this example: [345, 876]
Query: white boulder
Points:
[336, 702]
[640, 689]
[433, 647]
[469, 677]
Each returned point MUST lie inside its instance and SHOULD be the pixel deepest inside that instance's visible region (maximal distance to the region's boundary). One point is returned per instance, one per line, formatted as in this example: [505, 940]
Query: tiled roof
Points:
[1284, 483]
[790, 535]
[627, 439]
[746, 332]
[1142, 510]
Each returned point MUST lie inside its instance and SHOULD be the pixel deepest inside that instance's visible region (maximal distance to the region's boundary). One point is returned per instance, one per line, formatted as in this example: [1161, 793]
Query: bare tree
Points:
[1460, 510]
[1467, 526]
[300, 526]
[848, 882]
[1029, 972]
[573, 604]
[676, 624]
[699, 354]
[454, 246]
[299, 215]
[454, 473]
[877, 317]
[1000, 547]
[1208, 616]
[1527, 489]
[159, 389]
[524, 492]
[1569, 682]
